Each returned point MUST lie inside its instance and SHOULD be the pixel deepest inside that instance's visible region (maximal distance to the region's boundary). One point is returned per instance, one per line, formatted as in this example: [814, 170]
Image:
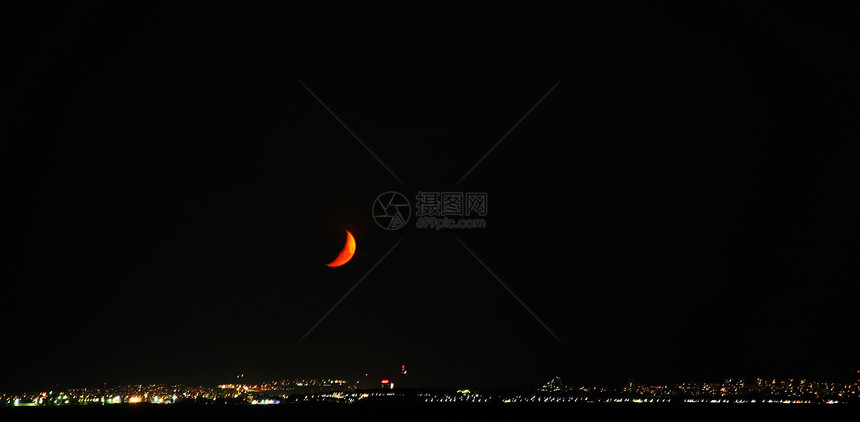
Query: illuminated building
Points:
[554, 384]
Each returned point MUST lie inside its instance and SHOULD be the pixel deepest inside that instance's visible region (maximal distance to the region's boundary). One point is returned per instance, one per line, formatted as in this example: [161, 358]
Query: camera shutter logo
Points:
[391, 210]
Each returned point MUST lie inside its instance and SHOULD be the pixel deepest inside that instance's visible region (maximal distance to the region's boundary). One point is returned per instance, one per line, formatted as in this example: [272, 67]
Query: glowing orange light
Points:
[345, 254]
[134, 399]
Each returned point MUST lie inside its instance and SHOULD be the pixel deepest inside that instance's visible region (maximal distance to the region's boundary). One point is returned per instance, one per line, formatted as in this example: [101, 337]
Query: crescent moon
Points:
[346, 254]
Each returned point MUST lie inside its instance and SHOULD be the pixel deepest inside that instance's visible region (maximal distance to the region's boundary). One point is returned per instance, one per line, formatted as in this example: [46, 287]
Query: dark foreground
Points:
[422, 412]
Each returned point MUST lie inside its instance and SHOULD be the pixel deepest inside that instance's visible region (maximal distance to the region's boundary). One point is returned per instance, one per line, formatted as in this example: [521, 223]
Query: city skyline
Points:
[399, 375]
[555, 391]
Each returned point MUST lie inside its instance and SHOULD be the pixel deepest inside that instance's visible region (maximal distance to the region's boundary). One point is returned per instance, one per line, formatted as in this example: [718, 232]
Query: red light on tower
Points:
[403, 369]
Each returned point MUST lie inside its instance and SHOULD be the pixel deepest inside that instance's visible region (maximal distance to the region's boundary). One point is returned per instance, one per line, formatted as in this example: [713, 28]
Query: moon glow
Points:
[346, 253]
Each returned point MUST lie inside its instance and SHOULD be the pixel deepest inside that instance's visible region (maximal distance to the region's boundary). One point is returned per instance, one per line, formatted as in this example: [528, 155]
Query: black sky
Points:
[681, 207]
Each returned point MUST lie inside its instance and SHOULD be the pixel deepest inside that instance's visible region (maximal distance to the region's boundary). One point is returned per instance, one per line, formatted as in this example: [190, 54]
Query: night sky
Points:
[681, 206]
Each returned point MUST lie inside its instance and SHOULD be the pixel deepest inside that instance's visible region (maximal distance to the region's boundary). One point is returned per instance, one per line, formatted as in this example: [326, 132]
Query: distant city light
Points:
[728, 391]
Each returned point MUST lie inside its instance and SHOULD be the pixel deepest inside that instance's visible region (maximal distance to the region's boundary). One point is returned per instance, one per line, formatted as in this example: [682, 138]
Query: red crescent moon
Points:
[346, 254]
